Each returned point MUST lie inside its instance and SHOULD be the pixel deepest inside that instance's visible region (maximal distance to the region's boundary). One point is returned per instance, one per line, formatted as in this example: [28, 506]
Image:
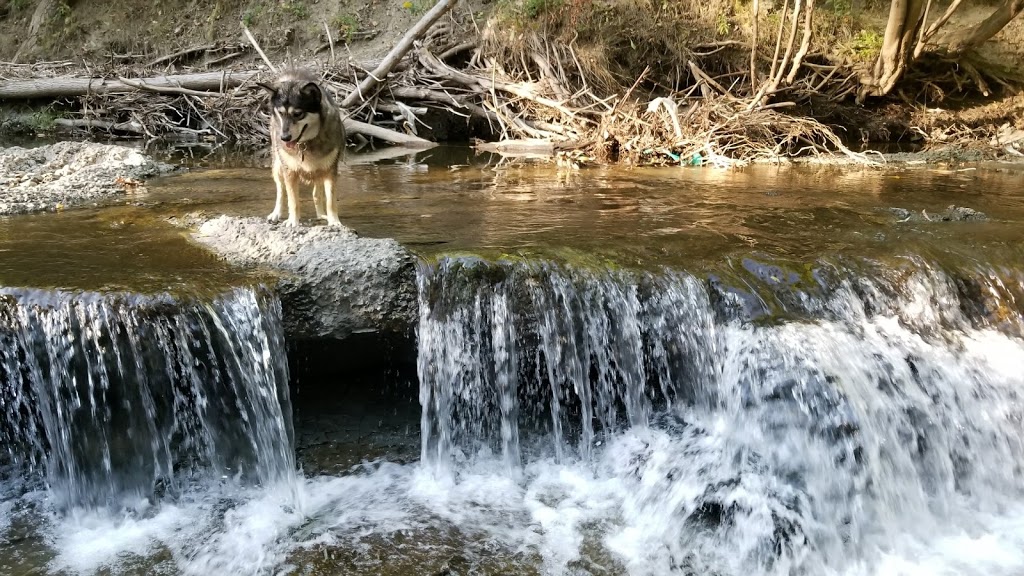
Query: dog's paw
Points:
[274, 217]
[292, 222]
[333, 221]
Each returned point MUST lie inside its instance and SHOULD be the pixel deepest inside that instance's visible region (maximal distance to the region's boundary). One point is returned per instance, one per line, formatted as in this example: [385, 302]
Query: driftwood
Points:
[532, 93]
[357, 127]
[398, 52]
[130, 127]
[63, 87]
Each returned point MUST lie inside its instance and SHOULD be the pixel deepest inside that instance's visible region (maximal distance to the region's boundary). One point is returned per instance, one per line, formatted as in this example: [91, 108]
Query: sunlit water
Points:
[856, 415]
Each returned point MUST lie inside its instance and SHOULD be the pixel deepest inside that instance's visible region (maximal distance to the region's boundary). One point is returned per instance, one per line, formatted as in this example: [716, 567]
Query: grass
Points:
[252, 15]
[42, 121]
[722, 25]
[866, 45]
[297, 9]
[346, 25]
[418, 7]
[536, 8]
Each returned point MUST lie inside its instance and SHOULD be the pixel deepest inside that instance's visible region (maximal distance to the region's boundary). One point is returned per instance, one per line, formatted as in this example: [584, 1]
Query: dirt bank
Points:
[70, 174]
[627, 81]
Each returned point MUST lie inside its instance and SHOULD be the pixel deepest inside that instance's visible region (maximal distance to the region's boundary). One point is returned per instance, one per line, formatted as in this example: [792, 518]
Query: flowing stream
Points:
[856, 412]
[573, 421]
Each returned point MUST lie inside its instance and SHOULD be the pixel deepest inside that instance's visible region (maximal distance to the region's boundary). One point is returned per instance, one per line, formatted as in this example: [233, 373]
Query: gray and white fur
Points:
[307, 143]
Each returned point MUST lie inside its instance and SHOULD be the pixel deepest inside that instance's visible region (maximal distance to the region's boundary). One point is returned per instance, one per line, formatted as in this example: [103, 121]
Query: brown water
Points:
[108, 249]
[452, 201]
[446, 201]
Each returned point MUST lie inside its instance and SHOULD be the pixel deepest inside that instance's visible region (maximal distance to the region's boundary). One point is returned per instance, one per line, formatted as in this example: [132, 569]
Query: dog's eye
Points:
[298, 114]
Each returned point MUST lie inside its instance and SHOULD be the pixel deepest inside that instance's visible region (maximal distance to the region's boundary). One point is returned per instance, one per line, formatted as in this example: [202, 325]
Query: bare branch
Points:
[398, 51]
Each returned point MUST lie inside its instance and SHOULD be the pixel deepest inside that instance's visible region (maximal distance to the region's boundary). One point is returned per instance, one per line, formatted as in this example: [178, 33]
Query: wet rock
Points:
[901, 214]
[331, 282]
[950, 214]
[68, 174]
[961, 214]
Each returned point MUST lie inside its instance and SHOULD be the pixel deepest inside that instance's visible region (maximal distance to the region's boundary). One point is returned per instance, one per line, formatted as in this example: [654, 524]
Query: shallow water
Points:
[668, 372]
[448, 200]
[116, 248]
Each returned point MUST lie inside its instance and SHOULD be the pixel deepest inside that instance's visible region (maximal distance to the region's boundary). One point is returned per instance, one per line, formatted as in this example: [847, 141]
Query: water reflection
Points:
[451, 199]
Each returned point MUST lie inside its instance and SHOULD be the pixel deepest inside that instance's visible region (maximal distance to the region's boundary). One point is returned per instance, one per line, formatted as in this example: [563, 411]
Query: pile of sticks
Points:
[442, 64]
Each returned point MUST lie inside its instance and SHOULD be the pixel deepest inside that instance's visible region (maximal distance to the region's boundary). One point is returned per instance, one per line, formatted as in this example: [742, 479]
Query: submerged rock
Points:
[961, 214]
[950, 214]
[332, 283]
[49, 178]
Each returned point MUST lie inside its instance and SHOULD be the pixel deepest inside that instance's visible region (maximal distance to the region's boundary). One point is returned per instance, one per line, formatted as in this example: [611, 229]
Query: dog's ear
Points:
[311, 91]
[268, 87]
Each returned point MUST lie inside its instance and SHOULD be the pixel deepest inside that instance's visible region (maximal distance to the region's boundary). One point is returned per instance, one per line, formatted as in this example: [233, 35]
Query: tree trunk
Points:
[62, 87]
[905, 21]
[961, 41]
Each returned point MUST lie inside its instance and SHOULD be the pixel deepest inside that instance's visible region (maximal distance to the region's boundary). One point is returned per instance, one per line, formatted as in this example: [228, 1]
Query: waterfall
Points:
[774, 423]
[112, 398]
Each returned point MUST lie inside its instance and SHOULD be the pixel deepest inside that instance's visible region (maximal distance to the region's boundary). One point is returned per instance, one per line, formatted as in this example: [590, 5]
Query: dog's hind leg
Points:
[332, 209]
[291, 186]
[275, 216]
[318, 201]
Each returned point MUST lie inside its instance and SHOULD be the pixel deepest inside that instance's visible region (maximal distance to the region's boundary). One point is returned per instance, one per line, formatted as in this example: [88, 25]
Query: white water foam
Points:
[858, 446]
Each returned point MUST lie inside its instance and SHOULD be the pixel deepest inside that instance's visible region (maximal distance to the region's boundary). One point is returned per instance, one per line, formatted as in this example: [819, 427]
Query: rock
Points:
[901, 214]
[951, 214]
[961, 214]
[68, 174]
[332, 283]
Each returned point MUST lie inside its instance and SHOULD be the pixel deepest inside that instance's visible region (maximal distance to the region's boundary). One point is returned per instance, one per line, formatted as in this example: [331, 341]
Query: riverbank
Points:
[66, 174]
[615, 82]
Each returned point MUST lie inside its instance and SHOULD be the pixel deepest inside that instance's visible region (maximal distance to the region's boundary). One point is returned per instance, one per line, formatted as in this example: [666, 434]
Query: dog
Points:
[307, 143]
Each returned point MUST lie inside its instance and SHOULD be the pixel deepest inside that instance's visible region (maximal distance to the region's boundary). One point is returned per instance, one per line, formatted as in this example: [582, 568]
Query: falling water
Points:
[854, 418]
[825, 423]
[118, 398]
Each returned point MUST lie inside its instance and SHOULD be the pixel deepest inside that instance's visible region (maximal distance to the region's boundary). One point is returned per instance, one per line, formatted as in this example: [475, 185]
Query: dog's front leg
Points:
[275, 216]
[332, 209]
[318, 202]
[291, 186]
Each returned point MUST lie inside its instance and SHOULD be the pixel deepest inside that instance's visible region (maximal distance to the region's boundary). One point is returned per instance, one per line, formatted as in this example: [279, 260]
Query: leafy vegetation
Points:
[866, 45]
[346, 25]
[296, 9]
[417, 7]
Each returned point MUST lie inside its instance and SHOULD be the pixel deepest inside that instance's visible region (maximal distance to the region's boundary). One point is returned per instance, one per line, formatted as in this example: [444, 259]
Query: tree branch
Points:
[963, 40]
[399, 51]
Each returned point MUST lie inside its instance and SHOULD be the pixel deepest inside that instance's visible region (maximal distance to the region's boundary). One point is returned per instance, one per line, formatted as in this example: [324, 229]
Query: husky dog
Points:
[307, 142]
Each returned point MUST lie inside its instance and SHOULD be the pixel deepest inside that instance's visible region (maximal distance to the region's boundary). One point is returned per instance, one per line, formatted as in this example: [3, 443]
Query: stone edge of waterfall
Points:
[331, 282]
[65, 174]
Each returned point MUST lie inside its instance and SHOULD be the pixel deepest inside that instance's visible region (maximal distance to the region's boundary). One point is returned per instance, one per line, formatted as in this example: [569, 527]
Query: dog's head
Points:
[296, 101]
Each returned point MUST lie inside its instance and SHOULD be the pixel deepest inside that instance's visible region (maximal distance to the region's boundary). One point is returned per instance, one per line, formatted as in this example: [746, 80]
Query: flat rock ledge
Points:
[331, 282]
[66, 174]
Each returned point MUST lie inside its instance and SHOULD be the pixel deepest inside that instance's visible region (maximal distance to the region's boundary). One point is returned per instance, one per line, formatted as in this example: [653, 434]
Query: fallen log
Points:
[397, 53]
[131, 127]
[525, 147]
[63, 87]
[357, 127]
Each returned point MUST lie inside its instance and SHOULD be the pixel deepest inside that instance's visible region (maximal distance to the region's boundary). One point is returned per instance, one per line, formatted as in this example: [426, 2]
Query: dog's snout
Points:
[286, 137]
